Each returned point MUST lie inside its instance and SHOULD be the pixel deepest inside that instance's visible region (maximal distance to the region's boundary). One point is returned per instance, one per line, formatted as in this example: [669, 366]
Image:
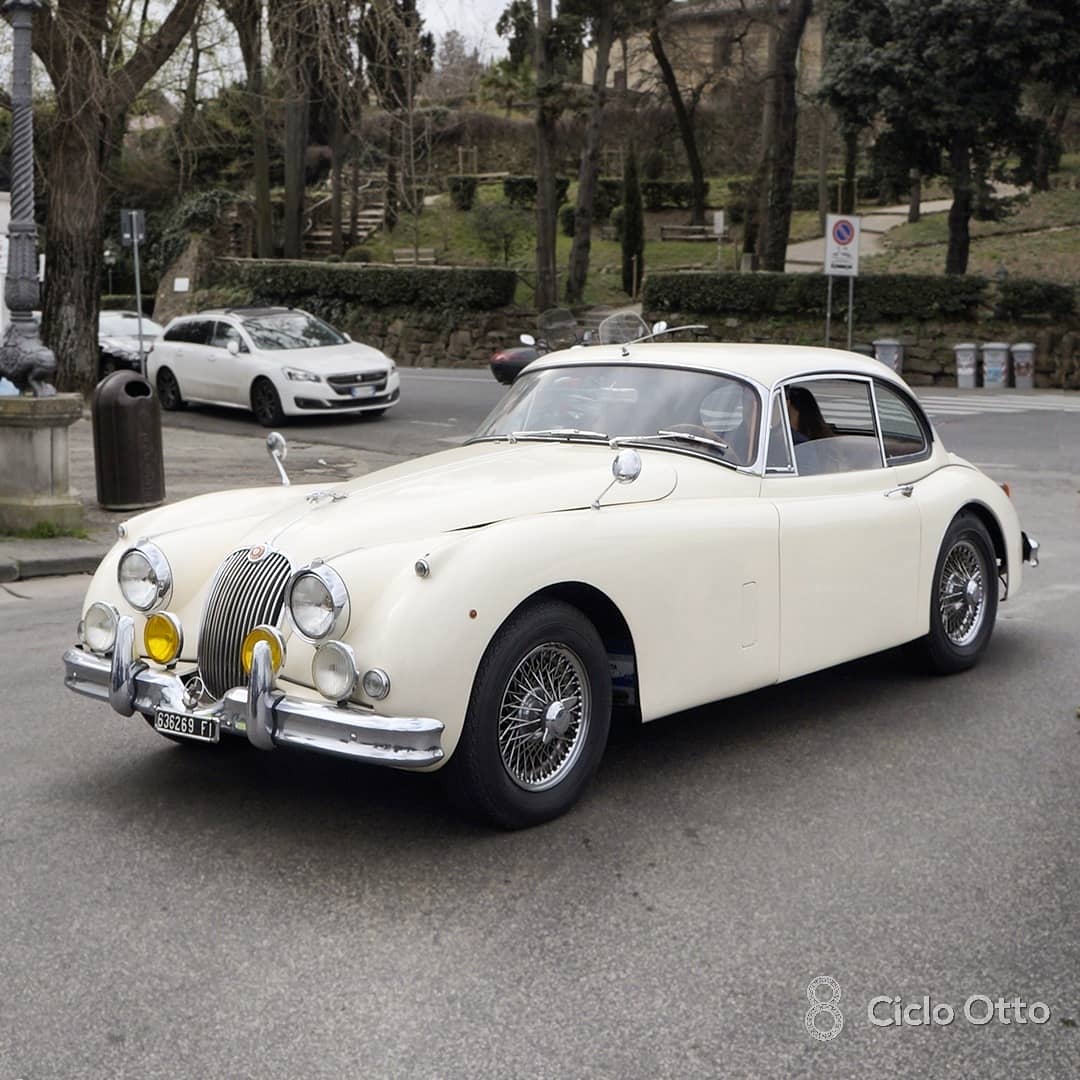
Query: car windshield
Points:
[123, 324]
[291, 330]
[694, 411]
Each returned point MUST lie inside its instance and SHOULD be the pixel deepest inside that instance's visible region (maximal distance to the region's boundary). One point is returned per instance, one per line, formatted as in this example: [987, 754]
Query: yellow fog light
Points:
[163, 637]
[272, 638]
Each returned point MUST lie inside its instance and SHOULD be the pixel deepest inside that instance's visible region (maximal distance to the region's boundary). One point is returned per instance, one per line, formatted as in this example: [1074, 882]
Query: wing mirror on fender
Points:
[625, 469]
[233, 348]
[528, 339]
[278, 449]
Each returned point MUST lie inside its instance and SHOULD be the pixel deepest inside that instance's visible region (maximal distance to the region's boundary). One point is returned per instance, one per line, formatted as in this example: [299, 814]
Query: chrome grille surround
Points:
[248, 590]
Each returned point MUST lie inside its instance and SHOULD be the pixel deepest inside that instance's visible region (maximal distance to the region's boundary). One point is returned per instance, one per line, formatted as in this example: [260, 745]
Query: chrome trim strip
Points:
[344, 731]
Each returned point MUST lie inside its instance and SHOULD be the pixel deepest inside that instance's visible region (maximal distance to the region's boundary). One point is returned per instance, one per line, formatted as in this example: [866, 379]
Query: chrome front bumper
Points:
[1029, 549]
[268, 717]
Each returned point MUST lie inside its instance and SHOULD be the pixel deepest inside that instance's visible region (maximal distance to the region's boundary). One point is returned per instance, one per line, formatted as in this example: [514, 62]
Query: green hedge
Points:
[432, 287]
[877, 296]
[520, 191]
[462, 191]
[658, 194]
[1024, 297]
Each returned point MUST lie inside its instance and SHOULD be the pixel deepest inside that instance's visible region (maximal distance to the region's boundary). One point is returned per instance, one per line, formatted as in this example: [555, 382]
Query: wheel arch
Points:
[993, 527]
[610, 624]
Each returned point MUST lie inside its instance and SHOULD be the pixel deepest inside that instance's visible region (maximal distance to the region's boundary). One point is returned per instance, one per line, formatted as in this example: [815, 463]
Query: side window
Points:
[224, 333]
[778, 457]
[832, 426]
[178, 333]
[901, 431]
[200, 331]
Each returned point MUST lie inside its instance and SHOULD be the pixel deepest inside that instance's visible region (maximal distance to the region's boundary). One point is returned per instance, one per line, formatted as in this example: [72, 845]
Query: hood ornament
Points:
[278, 449]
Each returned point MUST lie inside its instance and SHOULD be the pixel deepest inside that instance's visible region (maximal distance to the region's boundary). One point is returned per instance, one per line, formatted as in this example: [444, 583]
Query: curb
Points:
[49, 566]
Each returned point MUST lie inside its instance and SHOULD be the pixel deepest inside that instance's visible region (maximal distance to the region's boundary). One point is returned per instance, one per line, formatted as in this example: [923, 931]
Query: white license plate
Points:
[363, 391]
[185, 726]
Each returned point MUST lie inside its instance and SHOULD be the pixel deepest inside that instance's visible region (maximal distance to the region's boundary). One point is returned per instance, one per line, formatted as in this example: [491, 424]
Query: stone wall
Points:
[929, 359]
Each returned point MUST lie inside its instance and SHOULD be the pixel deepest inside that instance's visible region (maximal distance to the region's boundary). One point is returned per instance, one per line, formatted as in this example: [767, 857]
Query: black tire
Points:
[566, 744]
[963, 597]
[266, 404]
[168, 390]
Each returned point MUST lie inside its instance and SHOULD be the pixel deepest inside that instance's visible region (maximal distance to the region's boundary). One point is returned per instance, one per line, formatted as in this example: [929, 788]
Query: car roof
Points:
[248, 312]
[765, 364]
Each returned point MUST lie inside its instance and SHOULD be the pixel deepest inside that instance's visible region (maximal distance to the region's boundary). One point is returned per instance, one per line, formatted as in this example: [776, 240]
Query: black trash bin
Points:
[128, 461]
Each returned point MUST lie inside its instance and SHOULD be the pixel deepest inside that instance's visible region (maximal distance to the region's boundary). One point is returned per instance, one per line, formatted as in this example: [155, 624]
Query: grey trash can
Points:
[1023, 355]
[128, 459]
[890, 352]
[995, 365]
[967, 363]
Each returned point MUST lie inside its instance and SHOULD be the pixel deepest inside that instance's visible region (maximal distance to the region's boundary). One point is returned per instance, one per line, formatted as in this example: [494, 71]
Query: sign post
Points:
[133, 233]
[718, 232]
[841, 260]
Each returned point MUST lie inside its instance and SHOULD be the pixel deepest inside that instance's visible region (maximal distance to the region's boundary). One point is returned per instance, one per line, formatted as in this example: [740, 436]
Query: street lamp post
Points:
[23, 358]
[110, 262]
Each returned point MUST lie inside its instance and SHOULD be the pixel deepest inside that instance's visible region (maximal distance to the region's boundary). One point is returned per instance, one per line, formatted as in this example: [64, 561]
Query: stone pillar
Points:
[5, 216]
[35, 485]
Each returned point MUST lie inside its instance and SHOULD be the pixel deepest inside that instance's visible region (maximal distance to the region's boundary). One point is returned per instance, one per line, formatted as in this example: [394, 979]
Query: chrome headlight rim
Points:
[159, 567]
[338, 594]
[114, 617]
[343, 652]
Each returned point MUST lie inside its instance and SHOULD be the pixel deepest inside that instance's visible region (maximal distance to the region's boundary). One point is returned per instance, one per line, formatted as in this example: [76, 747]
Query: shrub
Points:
[430, 287]
[332, 258]
[608, 196]
[1025, 297]
[566, 220]
[877, 296]
[520, 191]
[462, 192]
[501, 230]
[659, 194]
[357, 254]
[618, 215]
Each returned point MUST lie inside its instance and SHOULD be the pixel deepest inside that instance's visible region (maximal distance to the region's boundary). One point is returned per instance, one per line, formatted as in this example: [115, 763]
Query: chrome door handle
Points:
[902, 489]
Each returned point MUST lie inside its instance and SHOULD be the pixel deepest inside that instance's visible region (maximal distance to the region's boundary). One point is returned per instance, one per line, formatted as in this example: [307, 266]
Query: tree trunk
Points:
[851, 164]
[915, 204]
[547, 287]
[337, 185]
[1048, 151]
[590, 162]
[775, 223]
[296, 137]
[963, 189]
[686, 126]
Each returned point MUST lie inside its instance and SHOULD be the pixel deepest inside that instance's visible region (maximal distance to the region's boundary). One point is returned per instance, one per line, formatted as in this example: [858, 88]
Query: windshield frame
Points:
[753, 467]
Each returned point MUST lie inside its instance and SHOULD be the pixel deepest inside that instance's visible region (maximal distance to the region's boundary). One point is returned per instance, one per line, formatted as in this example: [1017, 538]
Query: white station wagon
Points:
[647, 526]
[277, 362]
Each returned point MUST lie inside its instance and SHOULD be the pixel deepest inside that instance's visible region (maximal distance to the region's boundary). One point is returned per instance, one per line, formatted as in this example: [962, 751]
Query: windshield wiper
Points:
[664, 436]
[555, 433]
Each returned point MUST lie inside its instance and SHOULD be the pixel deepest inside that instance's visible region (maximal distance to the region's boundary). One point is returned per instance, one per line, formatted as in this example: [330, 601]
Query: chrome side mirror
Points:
[527, 339]
[625, 469]
[659, 327]
[278, 449]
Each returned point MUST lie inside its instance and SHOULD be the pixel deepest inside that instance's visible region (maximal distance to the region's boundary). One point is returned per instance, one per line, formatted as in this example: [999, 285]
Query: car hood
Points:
[458, 489]
[330, 359]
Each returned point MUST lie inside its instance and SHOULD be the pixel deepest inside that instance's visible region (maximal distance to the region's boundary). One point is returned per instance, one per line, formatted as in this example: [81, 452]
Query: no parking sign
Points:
[842, 245]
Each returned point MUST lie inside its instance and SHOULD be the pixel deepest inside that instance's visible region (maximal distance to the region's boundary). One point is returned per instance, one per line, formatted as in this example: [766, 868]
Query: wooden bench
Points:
[410, 257]
[686, 232]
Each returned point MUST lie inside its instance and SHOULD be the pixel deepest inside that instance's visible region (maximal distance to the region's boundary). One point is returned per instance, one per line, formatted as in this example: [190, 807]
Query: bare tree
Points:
[91, 98]
[547, 114]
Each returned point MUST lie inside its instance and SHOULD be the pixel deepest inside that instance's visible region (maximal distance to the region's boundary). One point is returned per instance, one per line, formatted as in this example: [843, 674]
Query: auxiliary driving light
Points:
[99, 627]
[333, 670]
[376, 684]
[272, 638]
[163, 637]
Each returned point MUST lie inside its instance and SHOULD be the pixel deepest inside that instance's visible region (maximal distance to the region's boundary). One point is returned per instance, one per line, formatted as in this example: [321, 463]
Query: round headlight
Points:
[163, 637]
[145, 577]
[272, 638]
[99, 627]
[333, 670]
[318, 602]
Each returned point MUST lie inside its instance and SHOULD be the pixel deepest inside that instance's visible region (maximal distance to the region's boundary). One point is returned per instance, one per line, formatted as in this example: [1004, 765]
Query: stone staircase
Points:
[370, 208]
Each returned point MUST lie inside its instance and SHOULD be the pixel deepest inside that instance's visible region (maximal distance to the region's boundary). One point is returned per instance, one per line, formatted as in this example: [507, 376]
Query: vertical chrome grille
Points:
[245, 594]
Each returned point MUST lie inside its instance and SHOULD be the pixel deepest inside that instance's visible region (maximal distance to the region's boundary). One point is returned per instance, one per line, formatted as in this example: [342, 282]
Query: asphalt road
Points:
[169, 912]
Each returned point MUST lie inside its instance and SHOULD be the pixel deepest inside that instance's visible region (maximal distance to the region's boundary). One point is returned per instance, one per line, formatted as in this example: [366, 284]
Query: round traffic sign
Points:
[843, 231]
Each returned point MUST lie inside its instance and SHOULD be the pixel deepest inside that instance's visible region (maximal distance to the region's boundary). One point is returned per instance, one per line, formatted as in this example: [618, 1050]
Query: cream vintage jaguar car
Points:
[648, 526]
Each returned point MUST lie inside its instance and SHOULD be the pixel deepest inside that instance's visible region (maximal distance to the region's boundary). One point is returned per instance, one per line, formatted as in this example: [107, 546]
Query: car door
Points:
[187, 356]
[229, 371]
[850, 529]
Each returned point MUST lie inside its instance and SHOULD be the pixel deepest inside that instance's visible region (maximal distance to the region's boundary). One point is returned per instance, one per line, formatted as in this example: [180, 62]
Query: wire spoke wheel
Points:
[962, 593]
[544, 716]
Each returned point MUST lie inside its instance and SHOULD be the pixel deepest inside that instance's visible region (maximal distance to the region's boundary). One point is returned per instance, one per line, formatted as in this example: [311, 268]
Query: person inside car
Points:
[804, 415]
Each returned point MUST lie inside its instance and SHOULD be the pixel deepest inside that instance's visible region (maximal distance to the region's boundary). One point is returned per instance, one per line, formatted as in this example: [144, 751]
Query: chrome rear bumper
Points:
[1030, 549]
[268, 717]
